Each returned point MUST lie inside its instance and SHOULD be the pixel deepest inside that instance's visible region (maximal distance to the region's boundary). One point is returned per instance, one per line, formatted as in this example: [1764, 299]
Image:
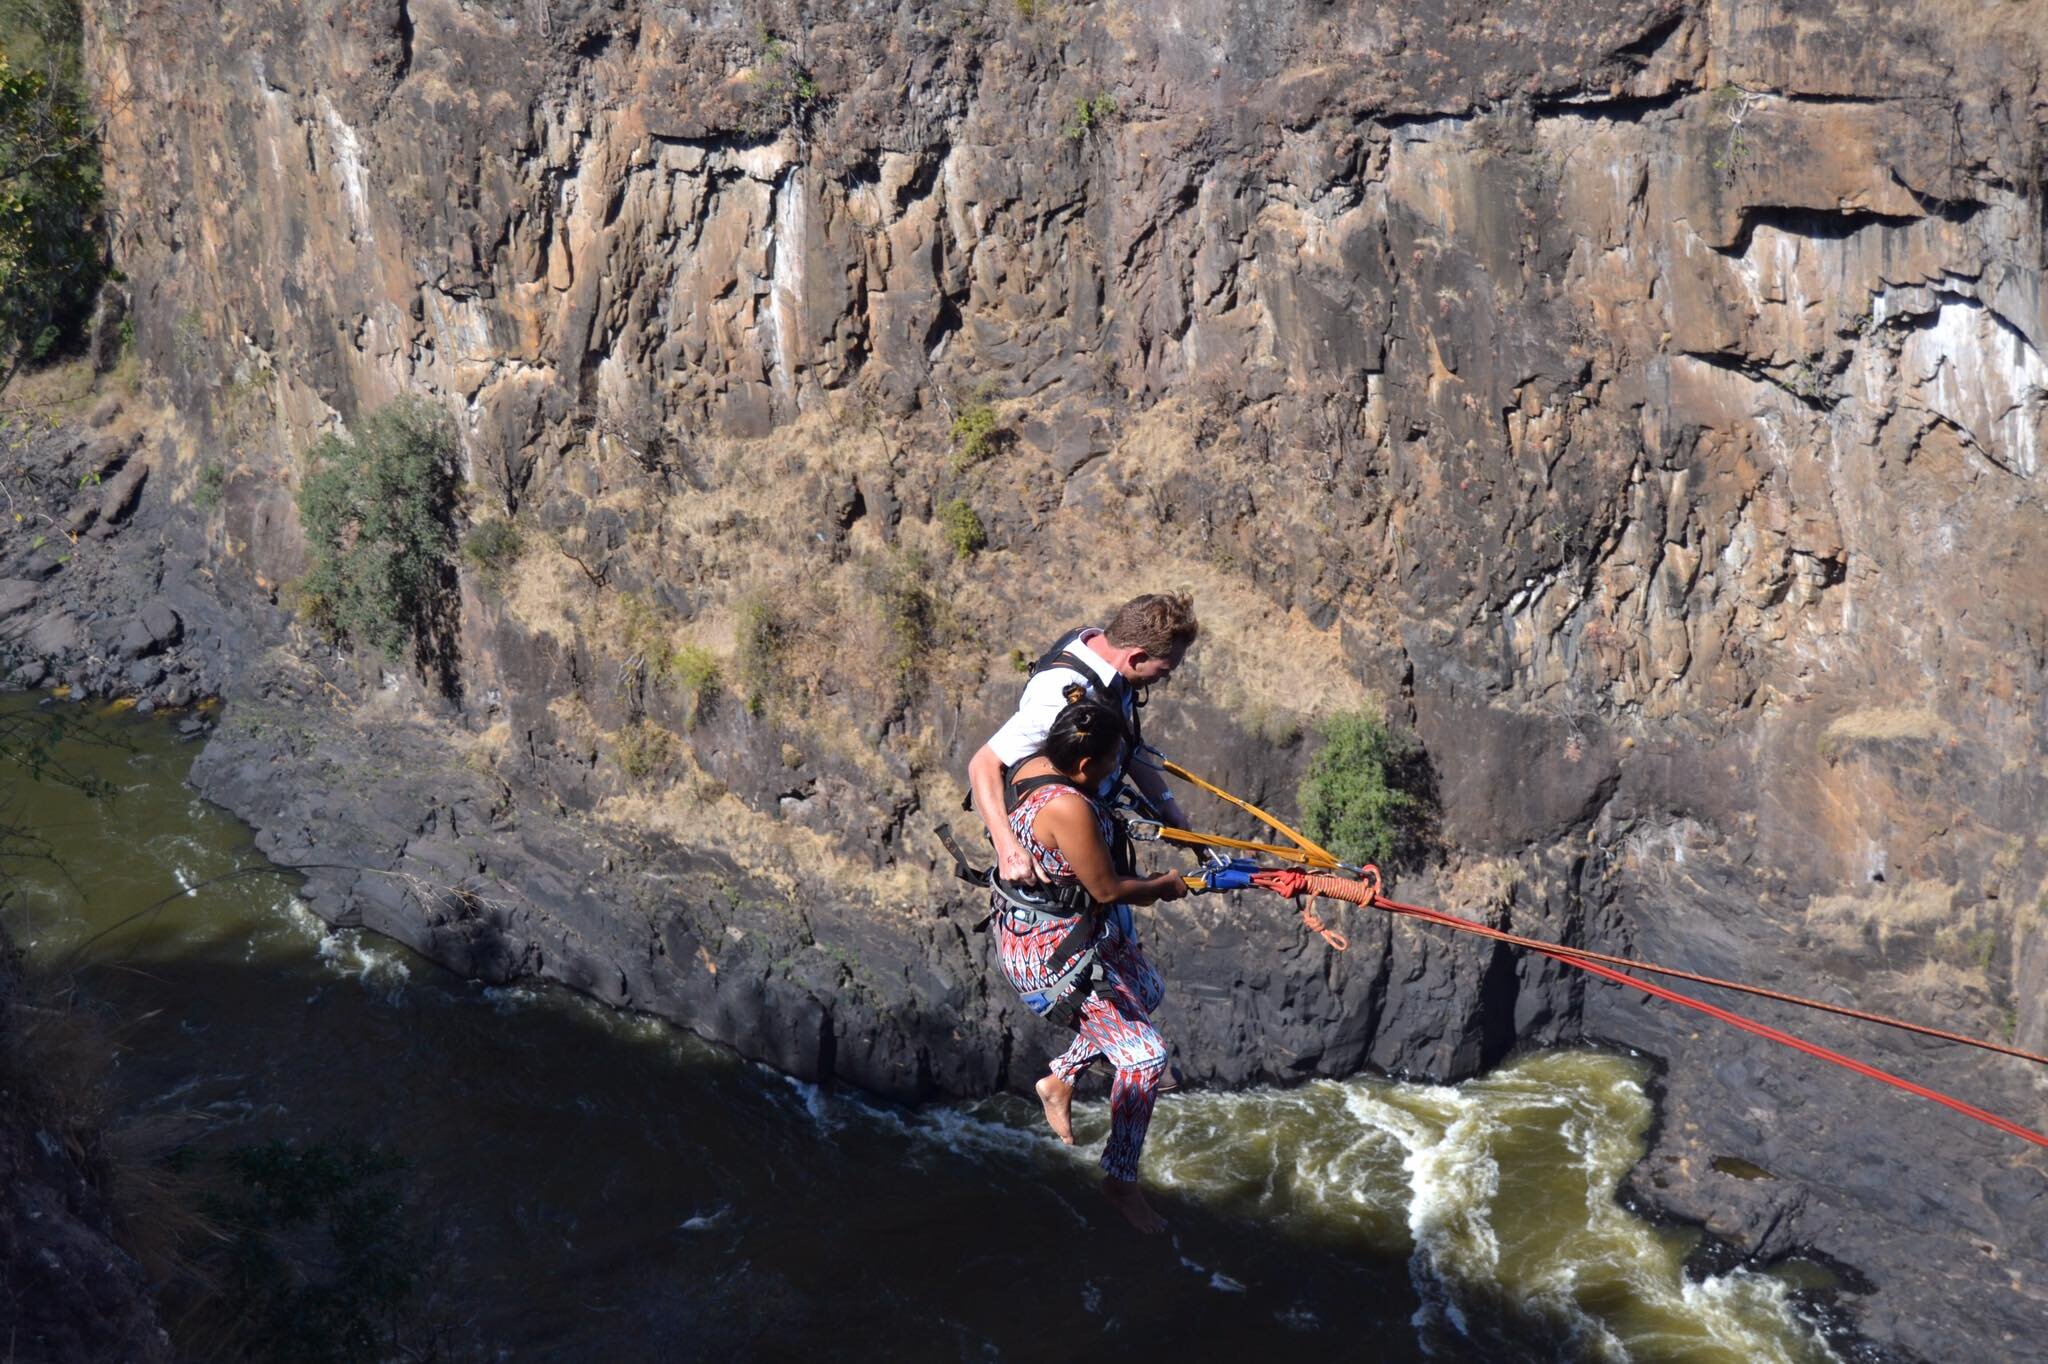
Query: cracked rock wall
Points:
[1646, 401]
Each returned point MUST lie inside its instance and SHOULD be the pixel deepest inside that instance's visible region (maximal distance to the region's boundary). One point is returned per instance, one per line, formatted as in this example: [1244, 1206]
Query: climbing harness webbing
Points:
[1364, 888]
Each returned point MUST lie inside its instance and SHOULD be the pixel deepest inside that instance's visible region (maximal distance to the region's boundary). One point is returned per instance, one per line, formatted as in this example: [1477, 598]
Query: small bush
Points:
[963, 528]
[911, 632]
[493, 547]
[646, 630]
[643, 749]
[1090, 113]
[376, 512]
[782, 90]
[212, 485]
[764, 634]
[697, 671]
[977, 434]
[1353, 800]
[916, 621]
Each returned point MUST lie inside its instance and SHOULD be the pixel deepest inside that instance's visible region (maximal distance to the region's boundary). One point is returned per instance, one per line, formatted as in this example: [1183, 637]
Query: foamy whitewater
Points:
[1502, 1189]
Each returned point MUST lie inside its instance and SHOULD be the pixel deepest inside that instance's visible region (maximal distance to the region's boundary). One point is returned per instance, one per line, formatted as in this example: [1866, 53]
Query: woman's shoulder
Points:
[1065, 806]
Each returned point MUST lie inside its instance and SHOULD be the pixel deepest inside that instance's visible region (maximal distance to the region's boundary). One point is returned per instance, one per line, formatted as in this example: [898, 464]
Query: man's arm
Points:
[985, 779]
[1150, 779]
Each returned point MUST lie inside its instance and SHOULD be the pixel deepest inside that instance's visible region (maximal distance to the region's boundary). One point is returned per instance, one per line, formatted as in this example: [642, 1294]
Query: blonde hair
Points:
[1163, 624]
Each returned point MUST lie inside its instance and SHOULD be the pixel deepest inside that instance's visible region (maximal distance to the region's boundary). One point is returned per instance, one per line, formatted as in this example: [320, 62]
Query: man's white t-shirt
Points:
[1023, 734]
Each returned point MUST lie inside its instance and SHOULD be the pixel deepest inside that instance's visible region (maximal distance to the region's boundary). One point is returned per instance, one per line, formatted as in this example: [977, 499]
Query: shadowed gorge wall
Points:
[1645, 402]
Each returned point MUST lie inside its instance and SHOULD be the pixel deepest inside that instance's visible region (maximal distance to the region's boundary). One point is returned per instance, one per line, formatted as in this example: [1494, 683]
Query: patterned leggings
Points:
[1115, 1023]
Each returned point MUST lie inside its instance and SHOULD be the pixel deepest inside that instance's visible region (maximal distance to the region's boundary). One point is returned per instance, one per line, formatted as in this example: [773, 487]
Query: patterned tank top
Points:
[1051, 863]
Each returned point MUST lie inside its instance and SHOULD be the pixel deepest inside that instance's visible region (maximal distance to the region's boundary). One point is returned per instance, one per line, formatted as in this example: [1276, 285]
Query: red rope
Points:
[1366, 892]
[2005, 1125]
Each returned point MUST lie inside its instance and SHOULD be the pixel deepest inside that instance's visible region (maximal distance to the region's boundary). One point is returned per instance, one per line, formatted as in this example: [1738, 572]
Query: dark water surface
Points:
[607, 1187]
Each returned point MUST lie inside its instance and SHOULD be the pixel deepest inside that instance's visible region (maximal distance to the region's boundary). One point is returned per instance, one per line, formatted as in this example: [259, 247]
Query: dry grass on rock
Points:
[1883, 724]
[1852, 922]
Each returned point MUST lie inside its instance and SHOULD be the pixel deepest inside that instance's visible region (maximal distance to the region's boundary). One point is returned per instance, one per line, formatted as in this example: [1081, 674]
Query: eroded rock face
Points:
[1647, 401]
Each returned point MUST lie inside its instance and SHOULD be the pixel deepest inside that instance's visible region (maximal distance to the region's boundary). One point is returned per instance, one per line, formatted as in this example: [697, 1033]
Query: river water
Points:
[605, 1186]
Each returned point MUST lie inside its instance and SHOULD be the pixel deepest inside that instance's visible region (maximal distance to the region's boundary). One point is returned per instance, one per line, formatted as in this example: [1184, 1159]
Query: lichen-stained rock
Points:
[1644, 402]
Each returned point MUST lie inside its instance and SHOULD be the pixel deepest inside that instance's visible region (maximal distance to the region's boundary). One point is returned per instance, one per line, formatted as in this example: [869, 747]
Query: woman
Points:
[1073, 955]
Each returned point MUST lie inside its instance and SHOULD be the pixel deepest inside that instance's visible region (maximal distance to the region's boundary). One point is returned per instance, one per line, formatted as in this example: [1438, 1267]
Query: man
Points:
[1145, 640]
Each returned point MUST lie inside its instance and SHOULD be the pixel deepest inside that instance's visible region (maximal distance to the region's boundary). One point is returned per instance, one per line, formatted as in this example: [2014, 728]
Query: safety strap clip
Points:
[970, 874]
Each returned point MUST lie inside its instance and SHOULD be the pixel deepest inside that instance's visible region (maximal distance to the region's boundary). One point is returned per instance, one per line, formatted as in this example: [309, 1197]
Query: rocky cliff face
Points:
[1647, 402]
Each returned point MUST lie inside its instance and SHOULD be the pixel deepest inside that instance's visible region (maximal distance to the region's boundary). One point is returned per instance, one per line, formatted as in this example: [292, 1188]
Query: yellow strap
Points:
[1323, 857]
[1318, 859]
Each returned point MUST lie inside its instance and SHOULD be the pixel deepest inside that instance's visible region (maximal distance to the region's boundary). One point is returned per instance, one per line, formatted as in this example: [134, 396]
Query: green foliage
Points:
[211, 486]
[963, 527]
[1354, 799]
[763, 634]
[782, 90]
[977, 434]
[1090, 113]
[916, 621]
[493, 546]
[315, 1261]
[913, 616]
[376, 512]
[52, 258]
[646, 632]
[697, 672]
[644, 748]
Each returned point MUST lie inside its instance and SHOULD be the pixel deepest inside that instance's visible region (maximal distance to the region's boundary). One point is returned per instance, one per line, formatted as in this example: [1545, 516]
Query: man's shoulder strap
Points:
[1014, 790]
[1065, 656]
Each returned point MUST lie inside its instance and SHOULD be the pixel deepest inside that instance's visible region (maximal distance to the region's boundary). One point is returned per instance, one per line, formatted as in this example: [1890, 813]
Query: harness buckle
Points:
[1142, 830]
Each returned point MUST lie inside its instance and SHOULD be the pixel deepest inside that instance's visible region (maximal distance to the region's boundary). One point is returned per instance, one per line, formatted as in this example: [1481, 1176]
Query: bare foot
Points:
[1123, 1195]
[1058, 1097]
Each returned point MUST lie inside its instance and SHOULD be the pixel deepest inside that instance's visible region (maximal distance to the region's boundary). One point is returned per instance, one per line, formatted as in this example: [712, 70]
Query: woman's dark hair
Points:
[1085, 729]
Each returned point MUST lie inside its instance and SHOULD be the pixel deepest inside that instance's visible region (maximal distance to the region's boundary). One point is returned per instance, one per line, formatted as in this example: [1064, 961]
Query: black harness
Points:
[1118, 693]
[1073, 966]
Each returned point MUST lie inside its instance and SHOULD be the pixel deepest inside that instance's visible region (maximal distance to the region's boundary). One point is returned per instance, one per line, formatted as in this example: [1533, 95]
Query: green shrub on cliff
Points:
[1356, 799]
[963, 528]
[376, 511]
[1091, 113]
[780, 89]
[977, 434]
[51, 256]
[763, 634]
[493, 546]
[644, 749]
